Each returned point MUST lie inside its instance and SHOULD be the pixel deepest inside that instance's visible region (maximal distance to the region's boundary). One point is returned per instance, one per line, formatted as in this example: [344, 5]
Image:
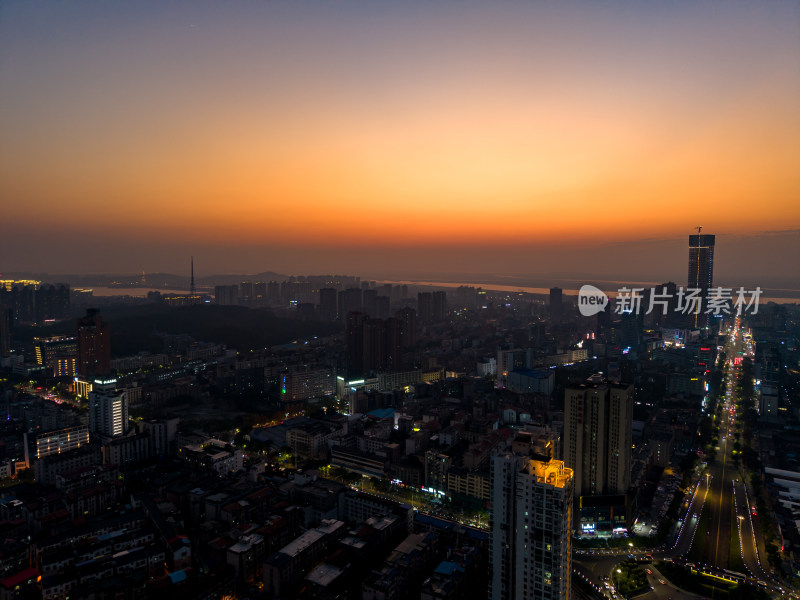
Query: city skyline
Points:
[744, 261]
[400, 300]
[518, 139]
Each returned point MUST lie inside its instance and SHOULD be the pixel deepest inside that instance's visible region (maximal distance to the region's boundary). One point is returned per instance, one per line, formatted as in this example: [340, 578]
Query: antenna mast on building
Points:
[191, 286]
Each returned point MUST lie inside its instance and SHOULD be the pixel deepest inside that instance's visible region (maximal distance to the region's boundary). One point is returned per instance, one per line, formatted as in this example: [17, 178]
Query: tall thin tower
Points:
[191, 285]
[701, 272]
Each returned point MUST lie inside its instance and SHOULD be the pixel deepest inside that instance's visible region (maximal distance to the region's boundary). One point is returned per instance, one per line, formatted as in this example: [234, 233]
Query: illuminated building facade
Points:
[62, 440]
[8, 284]
[701, 273]
[531, 511]
[59, 352]
[108, 409]
[304, 384]
[81, 387]
[436, 467]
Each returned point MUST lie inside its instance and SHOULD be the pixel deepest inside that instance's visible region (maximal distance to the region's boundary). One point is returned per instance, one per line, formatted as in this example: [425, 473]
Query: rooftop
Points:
[324, 574]
[296, 546]
[447, 568]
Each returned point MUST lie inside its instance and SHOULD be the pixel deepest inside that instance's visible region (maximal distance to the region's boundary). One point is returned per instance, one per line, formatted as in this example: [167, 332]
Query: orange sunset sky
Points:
[395, 138]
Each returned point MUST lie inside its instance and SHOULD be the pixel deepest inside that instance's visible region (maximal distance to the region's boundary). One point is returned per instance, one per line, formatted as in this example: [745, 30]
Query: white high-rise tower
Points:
[531, 528]
[108, 409]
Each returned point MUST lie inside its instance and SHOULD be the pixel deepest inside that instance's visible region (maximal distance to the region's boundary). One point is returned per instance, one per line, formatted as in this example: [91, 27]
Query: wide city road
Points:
[687, 525]
[730, 525]
[745, 515]
[723, 472]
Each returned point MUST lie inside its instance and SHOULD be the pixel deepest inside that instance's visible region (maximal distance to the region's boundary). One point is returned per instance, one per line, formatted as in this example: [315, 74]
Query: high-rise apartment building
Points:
[162, 433]
[273, 292]
[394, 344]
[556, 303]
[701, 273]
[531, 512]
[52, 302]
[425, 307]
[108, 409]
[597, 436]
[246, 293]
[377, 345]
[6, 317]
[439, 306]
[226, 295]
[354, 335]
[664, 303]
[374, 358]
[94, 345]
[350, 300]
[33, 302]
[260, 293]
[327, 304]
[407, 318]
[370, 302]
[382, 307]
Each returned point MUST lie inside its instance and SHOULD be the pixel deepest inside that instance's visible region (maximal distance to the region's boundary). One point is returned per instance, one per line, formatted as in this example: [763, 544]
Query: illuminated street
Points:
[719, 517]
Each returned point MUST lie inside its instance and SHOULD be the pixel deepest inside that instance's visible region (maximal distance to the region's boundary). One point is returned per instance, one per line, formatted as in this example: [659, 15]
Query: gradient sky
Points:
[398, 137]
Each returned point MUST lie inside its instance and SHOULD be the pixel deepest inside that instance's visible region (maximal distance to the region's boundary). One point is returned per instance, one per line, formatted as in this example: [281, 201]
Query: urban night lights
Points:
[377, 300]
